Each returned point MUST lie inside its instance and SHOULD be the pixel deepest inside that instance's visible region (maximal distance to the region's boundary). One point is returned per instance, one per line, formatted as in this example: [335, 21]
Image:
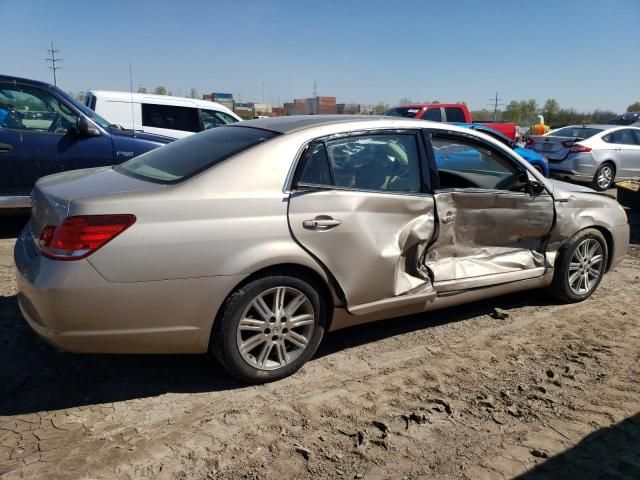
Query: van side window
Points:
[213, 118]
[171, 117]
[29, 108]
[454, 114]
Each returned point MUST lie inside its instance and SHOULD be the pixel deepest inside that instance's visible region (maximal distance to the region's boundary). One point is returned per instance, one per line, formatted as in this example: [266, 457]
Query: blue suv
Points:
[44, 131]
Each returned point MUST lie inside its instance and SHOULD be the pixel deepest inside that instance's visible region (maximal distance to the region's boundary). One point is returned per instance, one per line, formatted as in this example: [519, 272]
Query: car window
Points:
[624, 137]
[464, 163]
[29, 108]
[455, 114]
[172, 117]
[407, 112]
[179, 160]
[433, 114]
[213, 118]
[575, 132]
[636, 134]
[315, 166]
[376, 162]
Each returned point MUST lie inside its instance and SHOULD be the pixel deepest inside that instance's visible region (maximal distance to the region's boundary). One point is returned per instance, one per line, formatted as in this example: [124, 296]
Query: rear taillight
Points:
[528, 142]
[78, 237]
[577, 148]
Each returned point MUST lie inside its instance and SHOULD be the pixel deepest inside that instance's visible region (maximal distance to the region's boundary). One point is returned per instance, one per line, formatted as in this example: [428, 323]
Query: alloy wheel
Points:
[586, 266]
[605, 177]
[275, 328]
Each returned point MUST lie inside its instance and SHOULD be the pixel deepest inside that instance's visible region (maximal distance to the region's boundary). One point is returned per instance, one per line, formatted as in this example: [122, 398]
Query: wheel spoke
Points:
[574, 277]
[587, 282]
[573, 266]
[596, 259]
[283, 356]
[278, 299]
[294, 305]
[264, 353]
[252, 343]
[252, 325]
[301, 320]
[297, 339]
[262, 308]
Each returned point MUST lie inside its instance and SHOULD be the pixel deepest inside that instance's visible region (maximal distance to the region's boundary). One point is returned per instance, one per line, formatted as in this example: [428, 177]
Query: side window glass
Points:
[464, 163]
[454, 114]
[624, 137]
[388, 163]
[224, 119]
[608, 138]
[212, 118]
[433, 114]
[636, 134]
[28, 108]
[171, 117]
[315, 166]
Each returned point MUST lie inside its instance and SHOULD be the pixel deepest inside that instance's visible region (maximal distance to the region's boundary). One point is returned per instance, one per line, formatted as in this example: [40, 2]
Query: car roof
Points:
[12, 79]
[128, 96]
[430, 105]
[295, 123]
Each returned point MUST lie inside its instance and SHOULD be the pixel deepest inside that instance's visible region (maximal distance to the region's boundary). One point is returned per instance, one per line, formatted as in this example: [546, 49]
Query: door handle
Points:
[5, 147]
[321, 223]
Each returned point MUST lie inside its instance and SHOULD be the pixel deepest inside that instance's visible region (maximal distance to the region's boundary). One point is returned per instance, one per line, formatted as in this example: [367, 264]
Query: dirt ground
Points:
[551, 391]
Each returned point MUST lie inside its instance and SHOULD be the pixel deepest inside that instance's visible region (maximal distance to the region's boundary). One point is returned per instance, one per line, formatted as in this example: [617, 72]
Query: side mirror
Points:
[85, 128]
[536, 188]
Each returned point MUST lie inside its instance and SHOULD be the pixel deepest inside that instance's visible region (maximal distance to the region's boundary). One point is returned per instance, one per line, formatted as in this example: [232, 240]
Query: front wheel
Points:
[580, 266]
[269, 328]
[604, 177]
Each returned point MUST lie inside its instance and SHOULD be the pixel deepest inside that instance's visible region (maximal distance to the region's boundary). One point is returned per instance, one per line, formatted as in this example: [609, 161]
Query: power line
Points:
[495, 103]
[53, 60]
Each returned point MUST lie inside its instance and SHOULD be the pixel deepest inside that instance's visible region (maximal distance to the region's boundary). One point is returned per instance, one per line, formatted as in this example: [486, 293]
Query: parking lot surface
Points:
[468, 392]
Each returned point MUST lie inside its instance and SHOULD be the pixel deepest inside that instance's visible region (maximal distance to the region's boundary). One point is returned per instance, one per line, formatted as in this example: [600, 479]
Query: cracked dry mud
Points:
[549, 389]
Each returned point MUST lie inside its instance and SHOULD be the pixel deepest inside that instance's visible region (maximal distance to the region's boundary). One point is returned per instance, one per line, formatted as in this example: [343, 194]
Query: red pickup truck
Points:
[448, 112]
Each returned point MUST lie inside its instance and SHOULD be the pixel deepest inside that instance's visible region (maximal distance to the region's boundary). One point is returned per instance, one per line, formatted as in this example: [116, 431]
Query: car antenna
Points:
[133, 124]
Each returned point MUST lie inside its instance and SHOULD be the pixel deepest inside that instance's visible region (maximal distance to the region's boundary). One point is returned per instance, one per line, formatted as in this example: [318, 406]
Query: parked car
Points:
[175, 117]
[252, 240]
[43, 131]
[597, 154]
[626, 119]
[448, 112]
[535, 159]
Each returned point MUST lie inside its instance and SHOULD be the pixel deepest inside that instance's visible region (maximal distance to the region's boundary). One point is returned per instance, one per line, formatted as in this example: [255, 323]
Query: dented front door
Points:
[487, 237]
[371, 242]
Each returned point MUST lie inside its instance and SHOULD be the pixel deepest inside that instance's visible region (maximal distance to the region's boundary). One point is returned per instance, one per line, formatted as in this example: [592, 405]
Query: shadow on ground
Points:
[612, 452]
[12, 223]
[35, 376]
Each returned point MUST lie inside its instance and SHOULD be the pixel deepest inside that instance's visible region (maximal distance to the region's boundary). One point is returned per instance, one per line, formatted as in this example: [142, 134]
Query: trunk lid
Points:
[52, 195]
[551, 147]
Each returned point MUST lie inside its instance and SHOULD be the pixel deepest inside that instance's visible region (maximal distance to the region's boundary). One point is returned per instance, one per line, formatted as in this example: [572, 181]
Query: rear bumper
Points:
[15, 201]
[73, 307]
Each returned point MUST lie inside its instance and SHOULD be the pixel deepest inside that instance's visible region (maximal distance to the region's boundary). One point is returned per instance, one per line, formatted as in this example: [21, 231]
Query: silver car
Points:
[597, 154]
[251, 241]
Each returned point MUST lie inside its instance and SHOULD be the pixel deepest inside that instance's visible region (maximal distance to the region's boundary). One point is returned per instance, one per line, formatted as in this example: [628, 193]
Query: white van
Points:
[175, 117]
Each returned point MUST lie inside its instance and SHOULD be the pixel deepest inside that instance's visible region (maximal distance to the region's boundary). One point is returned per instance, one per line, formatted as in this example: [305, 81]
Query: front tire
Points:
[269, 328]
[580, 267]
[604, 177]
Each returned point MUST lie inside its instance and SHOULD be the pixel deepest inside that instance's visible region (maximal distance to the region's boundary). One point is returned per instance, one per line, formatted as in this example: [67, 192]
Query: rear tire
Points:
[269, 328]
[580, 266]
[604, 177]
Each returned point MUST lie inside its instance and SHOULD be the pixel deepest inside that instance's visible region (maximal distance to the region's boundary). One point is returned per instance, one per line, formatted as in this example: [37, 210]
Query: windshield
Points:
[182, 159]
[575, 132]
[86, 110]
[406, 112]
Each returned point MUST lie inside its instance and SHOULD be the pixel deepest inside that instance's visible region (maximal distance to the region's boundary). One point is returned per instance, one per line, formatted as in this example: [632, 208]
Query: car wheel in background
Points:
[269, 328]
[604, 177]
[580, 266]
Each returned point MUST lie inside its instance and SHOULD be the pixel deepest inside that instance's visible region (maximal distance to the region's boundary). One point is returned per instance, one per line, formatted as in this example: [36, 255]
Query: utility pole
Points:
[53, 60]
[315, 95]
[495, 103]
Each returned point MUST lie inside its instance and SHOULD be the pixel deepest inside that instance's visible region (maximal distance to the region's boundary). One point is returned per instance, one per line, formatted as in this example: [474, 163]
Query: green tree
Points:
[141, 89]
[634, 107]
[160, 91]
[380, 108]
[193, 93]
[405, 101]
[550, 110]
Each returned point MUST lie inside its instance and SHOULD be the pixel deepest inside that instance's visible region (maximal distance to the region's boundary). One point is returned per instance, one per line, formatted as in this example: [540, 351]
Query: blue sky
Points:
[585, 54]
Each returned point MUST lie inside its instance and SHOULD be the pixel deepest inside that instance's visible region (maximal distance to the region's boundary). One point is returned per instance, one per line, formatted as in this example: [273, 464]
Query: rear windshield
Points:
[182, 159]
[402, 112]
[575, 132]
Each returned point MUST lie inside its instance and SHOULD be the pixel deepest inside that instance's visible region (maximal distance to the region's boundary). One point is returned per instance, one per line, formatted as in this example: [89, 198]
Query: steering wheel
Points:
[54, 123]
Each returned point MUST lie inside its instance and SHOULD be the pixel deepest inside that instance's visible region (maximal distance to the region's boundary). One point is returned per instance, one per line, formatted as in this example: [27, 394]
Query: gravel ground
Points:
[550, 391]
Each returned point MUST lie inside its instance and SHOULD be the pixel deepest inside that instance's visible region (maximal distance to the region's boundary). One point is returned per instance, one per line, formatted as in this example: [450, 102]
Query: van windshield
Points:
[182, 159]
